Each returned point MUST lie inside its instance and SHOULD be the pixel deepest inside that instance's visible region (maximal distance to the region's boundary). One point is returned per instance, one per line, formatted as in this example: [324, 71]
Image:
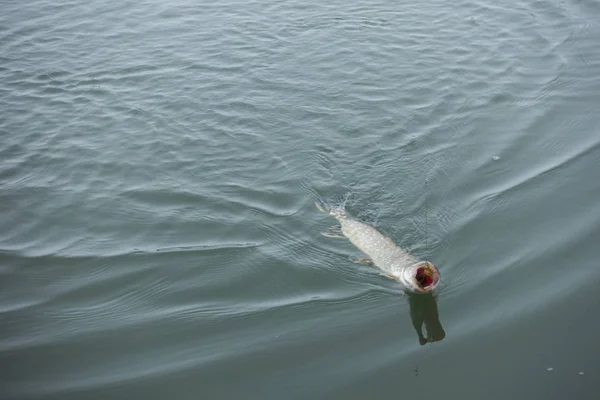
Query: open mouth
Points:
[424, 277]
[427, 276]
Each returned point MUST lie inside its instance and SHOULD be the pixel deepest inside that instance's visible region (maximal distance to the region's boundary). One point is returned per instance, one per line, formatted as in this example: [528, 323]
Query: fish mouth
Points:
[426, 277]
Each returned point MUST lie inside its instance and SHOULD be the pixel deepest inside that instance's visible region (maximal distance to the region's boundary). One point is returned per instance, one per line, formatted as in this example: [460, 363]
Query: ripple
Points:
[548, 168]
[160, 162]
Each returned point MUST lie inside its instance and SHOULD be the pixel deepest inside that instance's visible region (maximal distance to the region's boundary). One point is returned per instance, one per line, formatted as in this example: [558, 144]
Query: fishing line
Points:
[426, 219]
[430, 344]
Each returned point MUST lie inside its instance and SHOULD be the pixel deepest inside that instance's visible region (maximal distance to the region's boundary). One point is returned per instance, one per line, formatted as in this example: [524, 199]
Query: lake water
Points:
[159, 164]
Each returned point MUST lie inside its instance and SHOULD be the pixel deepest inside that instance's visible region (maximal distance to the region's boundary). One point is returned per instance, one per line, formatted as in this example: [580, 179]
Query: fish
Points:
[381, 251]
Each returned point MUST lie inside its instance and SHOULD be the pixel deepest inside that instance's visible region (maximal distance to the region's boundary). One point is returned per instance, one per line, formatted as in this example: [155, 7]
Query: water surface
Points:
[159, 162]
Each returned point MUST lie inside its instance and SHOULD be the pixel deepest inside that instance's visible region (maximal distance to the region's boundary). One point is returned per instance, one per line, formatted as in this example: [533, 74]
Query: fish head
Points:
[425, 277]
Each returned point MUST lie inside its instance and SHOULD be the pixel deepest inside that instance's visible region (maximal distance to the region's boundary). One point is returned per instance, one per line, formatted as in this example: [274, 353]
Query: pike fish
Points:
[381, 252]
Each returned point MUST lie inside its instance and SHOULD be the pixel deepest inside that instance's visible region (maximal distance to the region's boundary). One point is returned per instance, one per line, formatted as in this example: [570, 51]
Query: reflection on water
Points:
[424, 311]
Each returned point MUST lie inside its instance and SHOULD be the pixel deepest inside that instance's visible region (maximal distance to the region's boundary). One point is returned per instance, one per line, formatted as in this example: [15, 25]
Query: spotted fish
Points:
[382, 252]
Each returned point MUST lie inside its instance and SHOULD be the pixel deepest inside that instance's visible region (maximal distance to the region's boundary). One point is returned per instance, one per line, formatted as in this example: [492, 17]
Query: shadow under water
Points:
[424, 311]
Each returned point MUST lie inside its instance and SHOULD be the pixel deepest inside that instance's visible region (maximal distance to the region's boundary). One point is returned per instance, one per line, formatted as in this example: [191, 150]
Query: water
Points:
[159, 165]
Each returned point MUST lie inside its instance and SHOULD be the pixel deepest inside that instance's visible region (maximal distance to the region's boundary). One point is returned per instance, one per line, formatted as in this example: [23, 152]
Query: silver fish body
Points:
[386, 255]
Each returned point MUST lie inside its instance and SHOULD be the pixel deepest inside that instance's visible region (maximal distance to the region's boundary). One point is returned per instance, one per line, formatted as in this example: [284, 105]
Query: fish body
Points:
[386, 255]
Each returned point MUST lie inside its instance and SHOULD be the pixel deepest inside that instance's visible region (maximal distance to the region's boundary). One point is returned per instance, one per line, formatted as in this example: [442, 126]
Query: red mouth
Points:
[423, 277]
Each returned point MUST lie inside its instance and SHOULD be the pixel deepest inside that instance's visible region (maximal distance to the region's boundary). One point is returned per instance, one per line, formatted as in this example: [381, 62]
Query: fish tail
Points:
[337, 211]
[321, 206]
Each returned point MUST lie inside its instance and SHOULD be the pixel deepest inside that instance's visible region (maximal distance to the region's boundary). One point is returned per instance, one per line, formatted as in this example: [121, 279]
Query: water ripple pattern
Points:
[159, 162]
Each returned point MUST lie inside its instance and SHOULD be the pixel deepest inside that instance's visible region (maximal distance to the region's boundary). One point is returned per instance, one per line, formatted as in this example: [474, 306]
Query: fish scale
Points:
[386, 255]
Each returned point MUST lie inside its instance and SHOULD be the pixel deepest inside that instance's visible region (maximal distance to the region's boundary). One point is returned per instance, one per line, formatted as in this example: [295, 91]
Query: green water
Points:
[159, 164]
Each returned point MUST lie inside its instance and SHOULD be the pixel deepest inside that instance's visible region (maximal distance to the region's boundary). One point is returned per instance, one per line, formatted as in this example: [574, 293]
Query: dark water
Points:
[159, 162]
